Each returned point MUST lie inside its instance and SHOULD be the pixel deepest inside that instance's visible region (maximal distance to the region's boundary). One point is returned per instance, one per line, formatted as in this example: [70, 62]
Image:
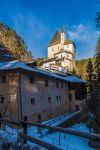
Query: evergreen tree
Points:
[94, 103]
[97, 61]
[89, 76]
[14, 43]
[73, 71]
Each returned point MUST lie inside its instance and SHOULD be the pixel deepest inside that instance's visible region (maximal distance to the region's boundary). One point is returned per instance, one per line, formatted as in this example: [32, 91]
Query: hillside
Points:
[81, 67]
[14, 43]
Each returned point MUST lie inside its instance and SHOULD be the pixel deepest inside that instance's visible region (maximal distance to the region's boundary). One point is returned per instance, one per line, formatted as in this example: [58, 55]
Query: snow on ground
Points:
[68, 141]
[65, 141]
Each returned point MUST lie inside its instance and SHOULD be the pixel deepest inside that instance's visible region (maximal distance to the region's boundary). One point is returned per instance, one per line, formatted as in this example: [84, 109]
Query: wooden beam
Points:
[39, 142]
[86, 135]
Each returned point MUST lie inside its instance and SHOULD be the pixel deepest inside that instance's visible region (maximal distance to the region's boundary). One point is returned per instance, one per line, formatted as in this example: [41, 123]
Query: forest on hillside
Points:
[81, 67]
[11, 41]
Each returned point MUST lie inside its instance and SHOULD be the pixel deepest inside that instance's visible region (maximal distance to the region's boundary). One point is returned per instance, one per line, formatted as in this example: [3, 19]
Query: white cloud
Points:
[85, 37]
[78, 32]
[82, 33]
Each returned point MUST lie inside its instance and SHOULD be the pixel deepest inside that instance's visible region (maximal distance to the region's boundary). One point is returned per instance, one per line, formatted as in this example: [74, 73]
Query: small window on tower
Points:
[58, 47]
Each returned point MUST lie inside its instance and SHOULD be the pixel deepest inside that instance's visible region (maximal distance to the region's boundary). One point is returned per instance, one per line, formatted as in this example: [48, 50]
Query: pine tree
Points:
[97, 61]
[73, 71]
[89, 77]
[94, 103]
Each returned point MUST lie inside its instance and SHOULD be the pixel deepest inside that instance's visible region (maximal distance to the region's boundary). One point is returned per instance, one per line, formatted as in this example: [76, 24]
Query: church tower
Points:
[63, 35]
[61, 53]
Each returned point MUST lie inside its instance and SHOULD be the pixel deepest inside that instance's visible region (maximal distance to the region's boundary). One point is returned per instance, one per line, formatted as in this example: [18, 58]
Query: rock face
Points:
[5, 54]
[14, 43]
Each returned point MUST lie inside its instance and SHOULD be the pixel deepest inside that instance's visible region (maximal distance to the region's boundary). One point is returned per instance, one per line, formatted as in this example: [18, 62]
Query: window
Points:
[70, 97]
[31, 79]
[39, 118]
[57, 98]
[2, 99]
[58, 47]
[49, 100]
[65, 85]
[57, 84]
[77, 107]
[32, 100]
[3, 78]
[25, 118]
[46, 83]
[62, 84]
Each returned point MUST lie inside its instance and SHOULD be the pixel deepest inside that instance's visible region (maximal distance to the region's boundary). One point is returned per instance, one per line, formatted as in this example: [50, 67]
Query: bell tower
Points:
[63, 35]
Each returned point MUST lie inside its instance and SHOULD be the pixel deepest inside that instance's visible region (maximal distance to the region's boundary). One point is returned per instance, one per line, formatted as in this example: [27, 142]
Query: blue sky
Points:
[37, 20]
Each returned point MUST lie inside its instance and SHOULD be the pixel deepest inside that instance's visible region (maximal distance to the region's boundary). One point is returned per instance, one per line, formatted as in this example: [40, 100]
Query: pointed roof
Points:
[66, 42]
[56, 39]
[63, 30]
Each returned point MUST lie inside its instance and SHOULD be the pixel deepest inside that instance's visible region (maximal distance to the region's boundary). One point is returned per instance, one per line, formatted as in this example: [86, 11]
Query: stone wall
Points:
[8, 90]
[38, 91]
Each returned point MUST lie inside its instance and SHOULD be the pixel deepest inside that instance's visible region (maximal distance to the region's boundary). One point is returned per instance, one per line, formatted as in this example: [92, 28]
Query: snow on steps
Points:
[61, 119]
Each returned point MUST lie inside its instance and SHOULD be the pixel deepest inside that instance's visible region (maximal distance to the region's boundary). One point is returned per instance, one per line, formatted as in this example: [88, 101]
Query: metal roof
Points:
[13, 65]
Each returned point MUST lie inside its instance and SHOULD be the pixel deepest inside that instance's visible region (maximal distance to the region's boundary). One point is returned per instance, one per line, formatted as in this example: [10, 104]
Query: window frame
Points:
[46, 83]
[3, 78]
[33, 101]
[57, 84]
[31, 79]
[2, 100]
[49, 99]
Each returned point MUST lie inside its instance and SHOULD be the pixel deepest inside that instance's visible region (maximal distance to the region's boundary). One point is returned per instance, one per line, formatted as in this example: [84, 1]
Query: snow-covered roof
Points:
[74, 79]
[12, 65]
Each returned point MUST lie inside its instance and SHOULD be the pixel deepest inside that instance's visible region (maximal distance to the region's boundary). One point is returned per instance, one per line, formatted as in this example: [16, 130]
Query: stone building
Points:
[35, 94]
[61, 54]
